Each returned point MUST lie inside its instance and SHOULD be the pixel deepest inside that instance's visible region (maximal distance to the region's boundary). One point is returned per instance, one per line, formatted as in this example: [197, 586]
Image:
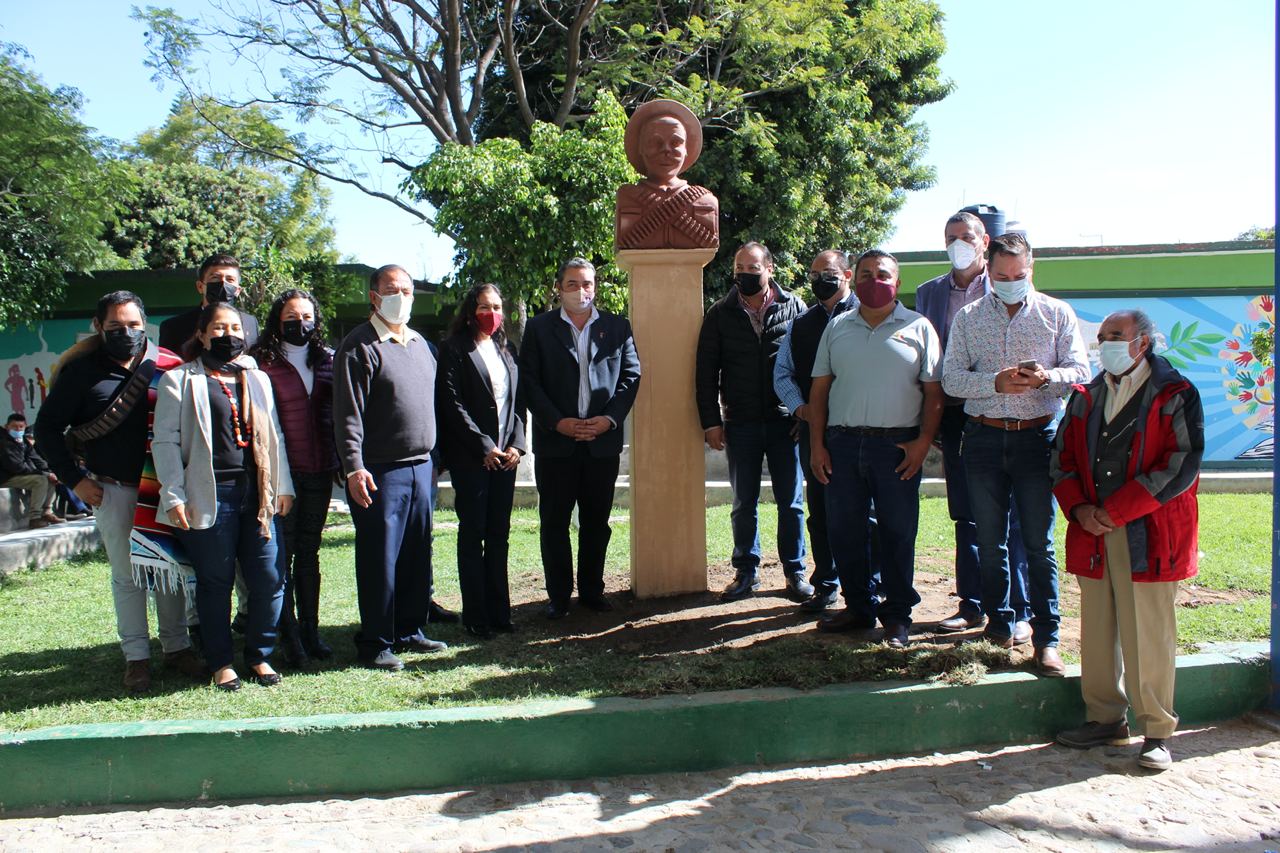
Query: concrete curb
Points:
[565, 739]
[35, 549]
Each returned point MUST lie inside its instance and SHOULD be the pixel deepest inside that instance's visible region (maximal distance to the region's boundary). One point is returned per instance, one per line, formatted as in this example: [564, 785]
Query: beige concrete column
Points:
[668, 502]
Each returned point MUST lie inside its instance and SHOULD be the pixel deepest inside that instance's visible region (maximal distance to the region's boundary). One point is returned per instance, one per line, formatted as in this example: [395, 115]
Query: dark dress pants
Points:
[483, 500]
[585, 481]
[300, 551]
[393, 556]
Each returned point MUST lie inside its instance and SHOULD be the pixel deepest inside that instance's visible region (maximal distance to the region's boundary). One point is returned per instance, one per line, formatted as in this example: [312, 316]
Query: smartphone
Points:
[1027, 364]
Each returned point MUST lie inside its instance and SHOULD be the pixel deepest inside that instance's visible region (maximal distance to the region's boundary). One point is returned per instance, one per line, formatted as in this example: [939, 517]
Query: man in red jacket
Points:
[1126, 464]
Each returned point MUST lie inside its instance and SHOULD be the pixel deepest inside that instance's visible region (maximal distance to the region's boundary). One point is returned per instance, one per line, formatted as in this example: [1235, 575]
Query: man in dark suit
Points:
[218, 280]
[579, 377]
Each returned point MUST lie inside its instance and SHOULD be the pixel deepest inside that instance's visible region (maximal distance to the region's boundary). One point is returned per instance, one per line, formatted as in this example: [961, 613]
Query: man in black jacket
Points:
[22, 468]
[579, 374]
[737, 349]
[217, 280]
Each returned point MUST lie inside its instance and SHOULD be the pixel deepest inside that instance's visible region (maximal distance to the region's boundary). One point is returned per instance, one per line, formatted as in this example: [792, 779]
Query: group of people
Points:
[250, 430]
[849, 395]
[214, 454]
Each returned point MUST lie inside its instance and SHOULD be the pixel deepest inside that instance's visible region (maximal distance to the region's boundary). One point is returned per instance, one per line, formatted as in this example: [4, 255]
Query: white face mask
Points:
[395, 308]
[1115, 357]
[576, 301]
[1012, 292]
[962, 254]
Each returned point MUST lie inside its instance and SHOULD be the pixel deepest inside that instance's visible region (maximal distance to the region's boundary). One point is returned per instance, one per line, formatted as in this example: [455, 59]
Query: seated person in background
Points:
[22, 468]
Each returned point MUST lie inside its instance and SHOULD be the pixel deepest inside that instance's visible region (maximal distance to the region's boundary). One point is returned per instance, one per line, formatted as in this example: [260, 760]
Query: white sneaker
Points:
[1154, 755]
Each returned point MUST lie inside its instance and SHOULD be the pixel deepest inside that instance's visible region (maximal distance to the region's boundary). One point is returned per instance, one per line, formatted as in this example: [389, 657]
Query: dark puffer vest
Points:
[735, 366]
[307, 420]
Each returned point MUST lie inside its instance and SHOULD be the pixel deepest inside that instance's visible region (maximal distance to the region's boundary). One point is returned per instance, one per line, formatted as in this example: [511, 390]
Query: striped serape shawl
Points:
[158, 559]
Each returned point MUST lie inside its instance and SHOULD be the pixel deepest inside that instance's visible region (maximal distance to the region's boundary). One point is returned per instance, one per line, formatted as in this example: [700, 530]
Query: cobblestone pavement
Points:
[1223, 793]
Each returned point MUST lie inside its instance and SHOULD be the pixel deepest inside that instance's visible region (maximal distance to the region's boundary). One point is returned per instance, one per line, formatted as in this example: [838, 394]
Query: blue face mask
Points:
[17, 434]
[1012, 292]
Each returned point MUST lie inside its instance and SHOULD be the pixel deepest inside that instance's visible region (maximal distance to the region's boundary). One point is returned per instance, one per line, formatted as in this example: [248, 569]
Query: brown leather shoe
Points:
[53, 519]
[998, 641]
[137, 676]
[1049, 663]
[1021, 633]
[959, 622]
[186, 662]
[37, 523]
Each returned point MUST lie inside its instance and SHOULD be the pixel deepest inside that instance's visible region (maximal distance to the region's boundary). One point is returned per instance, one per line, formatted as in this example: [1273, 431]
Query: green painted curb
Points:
[566, 739]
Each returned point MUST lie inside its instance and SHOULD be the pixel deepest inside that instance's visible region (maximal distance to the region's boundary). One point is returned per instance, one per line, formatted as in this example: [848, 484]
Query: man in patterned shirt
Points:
[1013, 355]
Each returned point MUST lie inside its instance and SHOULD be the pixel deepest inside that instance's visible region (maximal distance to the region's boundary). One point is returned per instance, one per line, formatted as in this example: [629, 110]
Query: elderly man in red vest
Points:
[1126, 463]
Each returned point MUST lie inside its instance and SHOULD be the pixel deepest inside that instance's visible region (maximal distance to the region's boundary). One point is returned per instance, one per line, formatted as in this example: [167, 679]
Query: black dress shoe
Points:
[270, 679]
[895, 635]
[478, 631]
[439, 613]
[818, 602]
[846, 620]
[385, 661]
[230, 686]
[798, 589]
[743, 586]
[420, 644]
[598, 603]
[555, 610]
[503, 628]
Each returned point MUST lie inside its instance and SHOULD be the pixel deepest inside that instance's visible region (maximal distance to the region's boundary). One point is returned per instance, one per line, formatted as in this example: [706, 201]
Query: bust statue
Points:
[664, 138]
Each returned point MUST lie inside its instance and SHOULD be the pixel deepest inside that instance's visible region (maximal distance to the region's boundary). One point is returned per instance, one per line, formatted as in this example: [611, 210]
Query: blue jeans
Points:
[214, 551]
[393, 556]
[998, 465]
[748, 445]
[968, 576]
[862, 472]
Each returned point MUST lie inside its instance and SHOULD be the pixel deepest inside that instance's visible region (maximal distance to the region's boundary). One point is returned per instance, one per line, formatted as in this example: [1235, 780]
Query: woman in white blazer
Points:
[224, 478]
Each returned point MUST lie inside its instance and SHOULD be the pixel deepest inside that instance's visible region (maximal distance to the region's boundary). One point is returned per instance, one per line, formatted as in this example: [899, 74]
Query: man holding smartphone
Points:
[1013, 355]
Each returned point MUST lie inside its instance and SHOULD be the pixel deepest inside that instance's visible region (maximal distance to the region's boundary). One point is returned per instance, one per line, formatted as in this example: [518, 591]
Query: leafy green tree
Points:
[519, 210]
[1258, 232]
[807, 107]
[57, 191]
[247, 142]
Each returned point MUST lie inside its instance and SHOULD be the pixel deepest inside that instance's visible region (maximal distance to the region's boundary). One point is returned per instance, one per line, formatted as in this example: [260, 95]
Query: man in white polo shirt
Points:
[874, 409]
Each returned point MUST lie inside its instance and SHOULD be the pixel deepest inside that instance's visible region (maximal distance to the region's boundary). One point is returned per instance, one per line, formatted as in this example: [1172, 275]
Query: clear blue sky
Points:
[1093, 122]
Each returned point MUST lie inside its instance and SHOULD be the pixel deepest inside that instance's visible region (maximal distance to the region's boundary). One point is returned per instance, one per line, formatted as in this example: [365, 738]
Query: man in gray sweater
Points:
[385, 425]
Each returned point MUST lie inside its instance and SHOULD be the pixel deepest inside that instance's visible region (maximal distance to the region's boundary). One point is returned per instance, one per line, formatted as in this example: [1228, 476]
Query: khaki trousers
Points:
[1128, 644]
[41, 492]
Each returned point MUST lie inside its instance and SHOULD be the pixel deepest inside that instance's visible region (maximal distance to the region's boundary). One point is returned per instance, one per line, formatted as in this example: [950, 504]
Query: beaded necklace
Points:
[242, 438]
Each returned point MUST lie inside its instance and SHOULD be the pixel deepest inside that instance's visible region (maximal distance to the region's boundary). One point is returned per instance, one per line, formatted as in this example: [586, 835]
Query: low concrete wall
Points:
[323, 755]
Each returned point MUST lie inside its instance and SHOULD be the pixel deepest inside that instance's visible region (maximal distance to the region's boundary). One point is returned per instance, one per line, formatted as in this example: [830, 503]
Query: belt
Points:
[102, 478]
[884, 432]
[1012, 424]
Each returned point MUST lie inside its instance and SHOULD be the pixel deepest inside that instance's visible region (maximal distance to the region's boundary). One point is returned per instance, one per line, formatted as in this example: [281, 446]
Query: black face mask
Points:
[216, 291]
[749, 283]
[124, 343]
[297, 332]
[224, 349]
[824, 284]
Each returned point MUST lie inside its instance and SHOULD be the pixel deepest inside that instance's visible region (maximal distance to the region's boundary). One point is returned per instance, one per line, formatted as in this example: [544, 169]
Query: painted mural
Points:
[1218, 342]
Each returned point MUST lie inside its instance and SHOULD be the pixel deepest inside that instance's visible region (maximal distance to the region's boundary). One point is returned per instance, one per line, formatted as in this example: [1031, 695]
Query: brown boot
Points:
[186, 662]
[137, 676]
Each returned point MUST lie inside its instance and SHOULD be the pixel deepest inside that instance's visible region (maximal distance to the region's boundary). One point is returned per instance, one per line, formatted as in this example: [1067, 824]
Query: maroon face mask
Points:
[876, 293]
[489, 323]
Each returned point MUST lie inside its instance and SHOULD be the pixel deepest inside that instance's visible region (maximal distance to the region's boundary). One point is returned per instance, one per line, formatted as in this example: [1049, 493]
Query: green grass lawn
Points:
[60, 660]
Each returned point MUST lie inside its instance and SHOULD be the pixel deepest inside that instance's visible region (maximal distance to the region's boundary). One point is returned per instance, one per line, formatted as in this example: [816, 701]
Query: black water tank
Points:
[992, 217]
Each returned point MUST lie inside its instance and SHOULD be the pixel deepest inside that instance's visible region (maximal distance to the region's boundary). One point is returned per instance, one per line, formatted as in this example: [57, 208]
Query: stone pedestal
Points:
[668, 509]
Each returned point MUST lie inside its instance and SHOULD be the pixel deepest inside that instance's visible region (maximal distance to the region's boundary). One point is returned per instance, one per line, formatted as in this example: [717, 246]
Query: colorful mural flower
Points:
[1249, 377]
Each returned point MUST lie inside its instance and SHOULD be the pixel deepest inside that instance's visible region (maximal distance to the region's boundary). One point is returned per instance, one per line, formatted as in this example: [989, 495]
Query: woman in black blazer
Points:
[482, 440]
